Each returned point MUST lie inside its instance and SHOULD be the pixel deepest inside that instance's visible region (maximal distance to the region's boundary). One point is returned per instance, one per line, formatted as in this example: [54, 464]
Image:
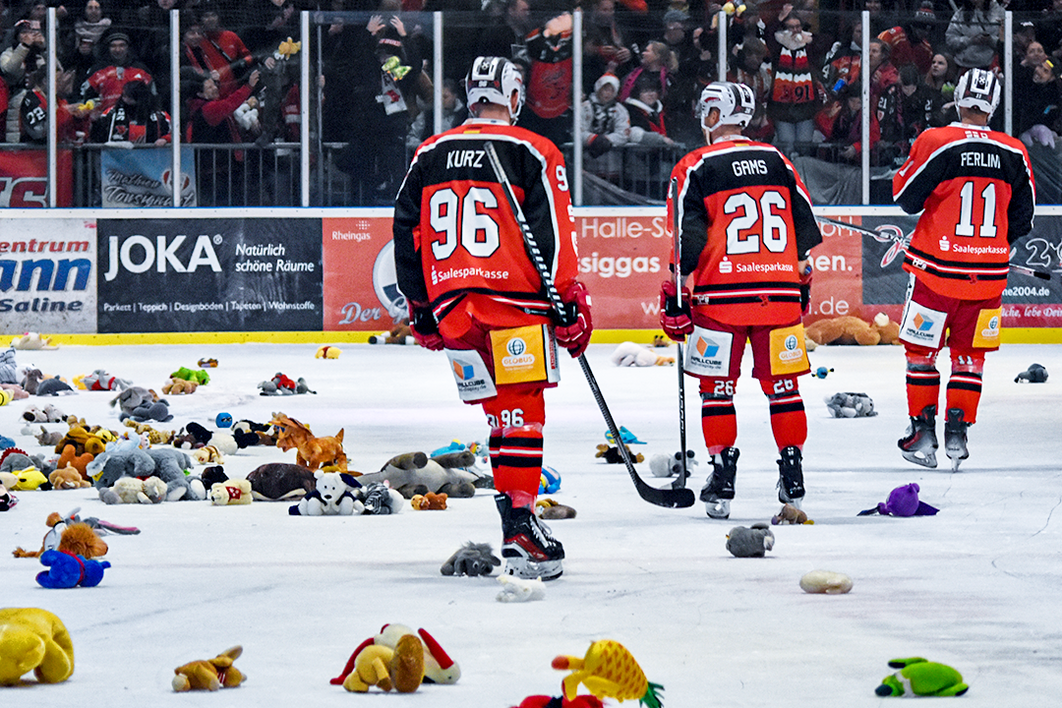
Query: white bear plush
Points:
[130, 490]
[333, 496]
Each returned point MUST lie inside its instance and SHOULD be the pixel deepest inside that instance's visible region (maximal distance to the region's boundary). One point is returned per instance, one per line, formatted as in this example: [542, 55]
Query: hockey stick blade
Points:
[671, 498]
[1024, 270]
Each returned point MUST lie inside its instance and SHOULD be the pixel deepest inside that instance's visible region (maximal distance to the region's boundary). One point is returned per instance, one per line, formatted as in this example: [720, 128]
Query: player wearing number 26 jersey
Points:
[473, 290]
[745, 228]
[975, 189]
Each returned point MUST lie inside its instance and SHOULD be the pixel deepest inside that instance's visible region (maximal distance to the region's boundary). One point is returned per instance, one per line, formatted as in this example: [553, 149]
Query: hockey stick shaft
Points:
[1026, 270]
[673, 498]
[677, 237]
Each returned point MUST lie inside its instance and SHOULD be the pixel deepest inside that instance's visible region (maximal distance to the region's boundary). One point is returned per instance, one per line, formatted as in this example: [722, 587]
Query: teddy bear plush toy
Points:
[333, 495]
[919, 677]
[32, 639]
[752, 542]
[849, 329]
[68, 478]
[400, 668]
[178, 387]
[211, 674]
[200, 376]
[231, 491]
[130, 490]
[67, 570]
[428, 502]
[438, 666]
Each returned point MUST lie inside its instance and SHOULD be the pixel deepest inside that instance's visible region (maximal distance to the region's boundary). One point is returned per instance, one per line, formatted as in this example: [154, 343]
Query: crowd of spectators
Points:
[644, 63]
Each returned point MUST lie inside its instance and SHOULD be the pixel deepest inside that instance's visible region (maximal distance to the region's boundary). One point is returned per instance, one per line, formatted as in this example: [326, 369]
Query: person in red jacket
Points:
[473, 289]
[975, 189]
[106, 79]
[745, 228]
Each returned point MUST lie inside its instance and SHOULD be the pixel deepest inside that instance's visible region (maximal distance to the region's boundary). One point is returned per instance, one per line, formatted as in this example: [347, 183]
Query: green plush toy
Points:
[200, 376]
[918, 677]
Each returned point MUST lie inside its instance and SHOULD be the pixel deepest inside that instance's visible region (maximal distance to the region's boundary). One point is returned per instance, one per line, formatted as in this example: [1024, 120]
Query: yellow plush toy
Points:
[401, 668]
[328, 352]
[288, 48]
[34, 640]
[29, 479]
[210, 675]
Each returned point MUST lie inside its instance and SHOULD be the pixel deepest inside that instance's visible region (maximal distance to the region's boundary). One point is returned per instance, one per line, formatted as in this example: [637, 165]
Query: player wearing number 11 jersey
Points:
[473, 290]
[746, 227]
[975, 189]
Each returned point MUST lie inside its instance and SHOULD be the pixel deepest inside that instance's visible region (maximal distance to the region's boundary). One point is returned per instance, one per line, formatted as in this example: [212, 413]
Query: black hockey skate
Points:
[955, 437]
[719, 489]
[790, 477]
[528, 548]
[919, 444]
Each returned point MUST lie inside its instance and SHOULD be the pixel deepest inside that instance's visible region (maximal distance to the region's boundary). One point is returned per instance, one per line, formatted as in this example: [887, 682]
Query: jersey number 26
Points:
[756, 224]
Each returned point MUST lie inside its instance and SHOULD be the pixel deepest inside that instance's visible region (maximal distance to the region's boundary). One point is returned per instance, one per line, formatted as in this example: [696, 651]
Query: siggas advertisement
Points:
[209, 275]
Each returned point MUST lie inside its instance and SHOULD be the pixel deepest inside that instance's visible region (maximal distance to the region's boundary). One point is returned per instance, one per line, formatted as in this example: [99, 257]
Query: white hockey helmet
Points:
[736, 103]
[979, 89]
[493, 80]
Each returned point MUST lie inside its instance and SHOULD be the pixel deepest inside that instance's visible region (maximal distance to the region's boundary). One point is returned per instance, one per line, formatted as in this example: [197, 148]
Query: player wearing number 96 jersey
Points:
[473, 290]
[975, 189]
[745, 229]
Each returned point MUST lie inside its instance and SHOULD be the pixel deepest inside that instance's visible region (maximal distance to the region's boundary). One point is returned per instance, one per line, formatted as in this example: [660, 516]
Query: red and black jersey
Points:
[976, 188]
[745, 219]
[454, 233]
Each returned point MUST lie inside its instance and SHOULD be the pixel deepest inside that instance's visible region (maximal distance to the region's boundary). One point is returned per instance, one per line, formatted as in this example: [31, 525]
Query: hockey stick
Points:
[672, 498]
[900, 244]
[676, 235]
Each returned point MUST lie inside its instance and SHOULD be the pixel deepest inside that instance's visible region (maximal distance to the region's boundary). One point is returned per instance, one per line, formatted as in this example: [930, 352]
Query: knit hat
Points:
[675, 16]
[607, 80]
[387, 45]
[118, 36]
[925, 14]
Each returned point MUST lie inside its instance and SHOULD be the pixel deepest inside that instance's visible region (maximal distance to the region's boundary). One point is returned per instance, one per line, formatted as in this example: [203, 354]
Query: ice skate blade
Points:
[927, 460]
[530, 570]
[718, 508]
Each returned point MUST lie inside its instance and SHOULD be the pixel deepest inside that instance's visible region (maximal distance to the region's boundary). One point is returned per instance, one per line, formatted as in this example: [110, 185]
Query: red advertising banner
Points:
[24, 179]
[624, 255]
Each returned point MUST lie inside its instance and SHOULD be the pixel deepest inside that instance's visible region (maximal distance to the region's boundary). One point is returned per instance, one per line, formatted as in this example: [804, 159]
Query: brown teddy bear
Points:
[177, 387]
[428, 502]
[68, 478]
[210, 675]
[849, 329]
[70, 458]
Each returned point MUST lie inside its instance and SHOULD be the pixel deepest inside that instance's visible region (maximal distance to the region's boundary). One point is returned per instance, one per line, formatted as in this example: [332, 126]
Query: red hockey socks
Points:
[789, 422]
[518, 462]
[964, 386]
[923, 381]
[718, 422]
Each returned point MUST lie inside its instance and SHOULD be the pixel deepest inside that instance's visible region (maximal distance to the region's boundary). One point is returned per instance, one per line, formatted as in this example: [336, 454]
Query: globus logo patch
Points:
[139, 254]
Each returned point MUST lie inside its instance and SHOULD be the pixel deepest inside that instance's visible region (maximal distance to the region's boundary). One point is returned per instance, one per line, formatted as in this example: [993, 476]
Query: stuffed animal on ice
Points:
[551, 510]
[328, 352]
[825, 582]
[1034, 374]
[631, 354]
[200, 376]
[8, 367]
[313, 452]
[68, 536]
[517, 589]
[159, 410]
[7, 499]
[415, 473]
[332, 496]
[281, 385]
[70, 458]
[133, 398]
[902, 501]
[130, 490]
[612, 455]
[560, 702]
[49, 414]
[232, 491]
[126, 459]
[207, 363]
[664, 466]
[849, 329]
[400, 668]
[471, 559]
[608, 670]
[378, 498]
[210, 674]
[752, 542]
[195, 436]
[428, 502]
[100, 380]
[37, 384]
[850, 405]
[278, 481]
[438, 666]
[179, 387]
[32, 639]
[67, 570]
[68, 478]
[919, 677]
[790, 515]
[32, 341]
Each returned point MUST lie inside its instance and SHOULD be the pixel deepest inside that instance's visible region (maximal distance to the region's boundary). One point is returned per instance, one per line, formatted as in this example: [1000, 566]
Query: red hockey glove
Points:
[573, 333]
[805, 289]
[675, 319]
[425, 329]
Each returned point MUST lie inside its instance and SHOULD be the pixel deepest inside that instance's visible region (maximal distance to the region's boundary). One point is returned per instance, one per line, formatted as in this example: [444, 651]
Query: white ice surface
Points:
[978, 586]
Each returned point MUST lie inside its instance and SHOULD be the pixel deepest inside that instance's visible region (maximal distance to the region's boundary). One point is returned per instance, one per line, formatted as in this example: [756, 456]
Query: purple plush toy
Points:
[903, 501]
[67, 571]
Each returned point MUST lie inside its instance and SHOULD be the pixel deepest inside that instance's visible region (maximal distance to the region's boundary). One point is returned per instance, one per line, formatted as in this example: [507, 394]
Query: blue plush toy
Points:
[66, 570]
[224, 420]
[549, 482]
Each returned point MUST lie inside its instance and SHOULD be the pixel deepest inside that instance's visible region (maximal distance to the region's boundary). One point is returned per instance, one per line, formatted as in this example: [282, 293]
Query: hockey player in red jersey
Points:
[473, 290]
[746, 227]
[976, 188]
